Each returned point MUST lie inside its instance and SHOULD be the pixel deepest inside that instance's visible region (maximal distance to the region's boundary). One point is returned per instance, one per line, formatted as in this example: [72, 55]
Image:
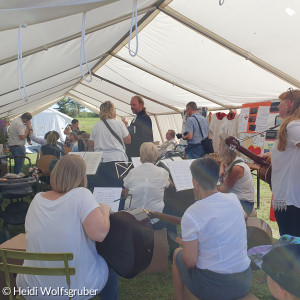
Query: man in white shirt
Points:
[168, 145]
[213, 263]
[18, 130]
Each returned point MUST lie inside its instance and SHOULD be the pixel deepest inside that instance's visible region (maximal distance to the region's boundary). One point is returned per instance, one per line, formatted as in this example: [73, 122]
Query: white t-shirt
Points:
[16, 129]
[146, 184]
[106, 142]
[219, 225]
[244, 187]
[286, 168]
[56, 226]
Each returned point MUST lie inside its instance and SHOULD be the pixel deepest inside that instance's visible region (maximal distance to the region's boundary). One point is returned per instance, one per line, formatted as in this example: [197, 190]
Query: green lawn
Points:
[160, 286]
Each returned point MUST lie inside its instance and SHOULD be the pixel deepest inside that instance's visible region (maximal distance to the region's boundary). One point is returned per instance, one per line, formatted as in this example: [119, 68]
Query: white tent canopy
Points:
[196, 50]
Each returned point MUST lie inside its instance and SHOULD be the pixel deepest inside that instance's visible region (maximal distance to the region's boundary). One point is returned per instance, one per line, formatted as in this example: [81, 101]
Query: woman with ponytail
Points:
[286, 165]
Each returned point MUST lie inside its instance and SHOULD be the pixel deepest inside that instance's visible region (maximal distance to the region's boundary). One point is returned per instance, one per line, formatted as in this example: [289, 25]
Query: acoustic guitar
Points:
[264, 172]
[128, 247]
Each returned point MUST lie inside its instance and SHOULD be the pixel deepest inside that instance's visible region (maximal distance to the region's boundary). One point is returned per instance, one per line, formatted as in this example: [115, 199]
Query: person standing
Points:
[193, 134]
[140, 128]
[18, 130]
[286, 165]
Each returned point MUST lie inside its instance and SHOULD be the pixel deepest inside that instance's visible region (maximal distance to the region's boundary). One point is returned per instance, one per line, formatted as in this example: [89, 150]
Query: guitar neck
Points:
[257, 159]
[165, 217]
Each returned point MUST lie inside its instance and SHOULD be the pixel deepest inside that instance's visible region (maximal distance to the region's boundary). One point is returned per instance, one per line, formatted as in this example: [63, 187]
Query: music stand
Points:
[122, 168]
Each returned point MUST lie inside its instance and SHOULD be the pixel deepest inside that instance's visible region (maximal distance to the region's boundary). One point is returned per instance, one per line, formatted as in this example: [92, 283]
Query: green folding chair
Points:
[19, 269]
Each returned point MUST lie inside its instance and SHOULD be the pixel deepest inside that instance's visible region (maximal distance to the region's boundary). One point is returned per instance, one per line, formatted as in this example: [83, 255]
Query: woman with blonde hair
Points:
[67, 219]
[286, 165]
[51, 147]
[109, 136]
[238, 178]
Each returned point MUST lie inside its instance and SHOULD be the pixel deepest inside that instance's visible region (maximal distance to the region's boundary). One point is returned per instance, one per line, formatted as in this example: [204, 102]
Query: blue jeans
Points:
[19, 162]
[111, 289]
[194, 151]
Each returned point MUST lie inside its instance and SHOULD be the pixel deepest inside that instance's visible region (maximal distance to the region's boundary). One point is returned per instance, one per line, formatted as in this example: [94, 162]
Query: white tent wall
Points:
[196, 50]
[48, 120]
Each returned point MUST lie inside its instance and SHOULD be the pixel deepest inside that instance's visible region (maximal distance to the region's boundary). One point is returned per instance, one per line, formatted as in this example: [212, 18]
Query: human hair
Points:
[140, 100]
[75, 135]
[172, 133]
[26, 116]
[107, 110]
[74, 121]
[51, 139]
[52, 132]
[225, 152]
[206, 172]
[293, 114]
[192, 105]
[68, 173]
[81, 132]
[148, 153]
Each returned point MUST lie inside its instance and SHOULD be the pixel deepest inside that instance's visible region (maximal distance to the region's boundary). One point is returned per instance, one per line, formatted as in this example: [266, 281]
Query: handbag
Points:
[207, 143]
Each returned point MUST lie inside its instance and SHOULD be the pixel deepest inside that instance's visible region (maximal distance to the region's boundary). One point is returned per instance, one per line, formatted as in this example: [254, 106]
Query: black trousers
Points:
[289, 220]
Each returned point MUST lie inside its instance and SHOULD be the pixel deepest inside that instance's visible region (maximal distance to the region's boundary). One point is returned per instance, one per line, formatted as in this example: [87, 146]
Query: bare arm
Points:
[298, 145]
[190, 253]
[96, 224]
[231, 178]
[127, 139]
[91, 145]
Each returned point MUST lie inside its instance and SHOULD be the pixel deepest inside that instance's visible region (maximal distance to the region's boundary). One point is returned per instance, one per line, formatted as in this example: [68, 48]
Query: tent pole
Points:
[173, 82]
[134, 92]
[159, 129]
[230, 46]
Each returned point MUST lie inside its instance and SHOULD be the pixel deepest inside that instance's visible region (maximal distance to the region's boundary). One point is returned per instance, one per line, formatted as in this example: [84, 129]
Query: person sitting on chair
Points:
[51, 147]
[169, 145]
[213, 263]
[147, 182]
[238, 179]
[67, 219]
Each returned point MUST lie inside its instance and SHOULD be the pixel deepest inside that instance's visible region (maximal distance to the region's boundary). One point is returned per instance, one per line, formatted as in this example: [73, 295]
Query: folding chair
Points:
[8, 268]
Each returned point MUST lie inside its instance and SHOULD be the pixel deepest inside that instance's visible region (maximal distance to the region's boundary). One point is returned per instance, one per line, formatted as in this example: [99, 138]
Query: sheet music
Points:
[136, 161]
[181, 174]
[108, 195]
[176, 158]
[91, 159]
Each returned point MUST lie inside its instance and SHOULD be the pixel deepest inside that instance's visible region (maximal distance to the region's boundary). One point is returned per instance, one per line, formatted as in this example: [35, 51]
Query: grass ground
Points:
[160, 286]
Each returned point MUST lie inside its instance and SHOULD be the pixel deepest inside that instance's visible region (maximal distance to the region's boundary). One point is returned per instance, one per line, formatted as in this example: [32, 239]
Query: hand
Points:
[265, 155]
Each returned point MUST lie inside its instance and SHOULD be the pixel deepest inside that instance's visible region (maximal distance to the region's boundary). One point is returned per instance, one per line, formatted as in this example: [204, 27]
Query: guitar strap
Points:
[113, 133]
[230, 168]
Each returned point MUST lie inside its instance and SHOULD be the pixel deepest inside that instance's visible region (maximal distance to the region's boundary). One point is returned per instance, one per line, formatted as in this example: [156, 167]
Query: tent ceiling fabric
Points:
[176, 61]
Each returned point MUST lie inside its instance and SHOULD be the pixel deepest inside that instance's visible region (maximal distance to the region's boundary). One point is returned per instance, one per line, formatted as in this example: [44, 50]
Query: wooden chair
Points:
[8, 268]
[43, 164]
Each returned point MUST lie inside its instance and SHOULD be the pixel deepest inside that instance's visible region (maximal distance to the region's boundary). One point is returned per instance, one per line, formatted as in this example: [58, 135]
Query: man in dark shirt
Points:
[140, 128]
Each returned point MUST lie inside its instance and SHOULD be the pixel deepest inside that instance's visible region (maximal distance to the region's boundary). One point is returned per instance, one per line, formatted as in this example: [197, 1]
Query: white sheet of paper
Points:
[176, 158]
[181, 174]
[91, 159]
[108, 195]
[243, 121]
[136, 161]
[262, 118]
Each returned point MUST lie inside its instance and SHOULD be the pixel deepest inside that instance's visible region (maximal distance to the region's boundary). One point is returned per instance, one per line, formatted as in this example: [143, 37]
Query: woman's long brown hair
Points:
[293, 114]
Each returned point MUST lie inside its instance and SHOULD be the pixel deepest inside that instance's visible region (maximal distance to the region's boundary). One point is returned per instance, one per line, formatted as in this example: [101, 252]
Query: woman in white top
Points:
[239, 179]
[112, 146]
[147, 182]
[213, 263]
[67, 219]
[286, 165]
